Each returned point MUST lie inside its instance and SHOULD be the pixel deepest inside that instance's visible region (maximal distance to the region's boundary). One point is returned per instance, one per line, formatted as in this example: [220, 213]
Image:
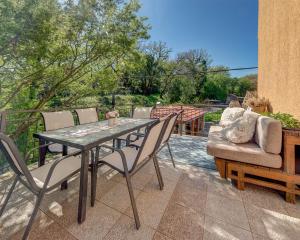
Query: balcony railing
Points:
[22, 124]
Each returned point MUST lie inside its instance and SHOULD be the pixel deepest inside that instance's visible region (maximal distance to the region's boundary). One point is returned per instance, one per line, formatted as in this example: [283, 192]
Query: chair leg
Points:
[169, 148]
[119, 144]
[8, 195]
[132, 199]
[158, 173]
[33, 215]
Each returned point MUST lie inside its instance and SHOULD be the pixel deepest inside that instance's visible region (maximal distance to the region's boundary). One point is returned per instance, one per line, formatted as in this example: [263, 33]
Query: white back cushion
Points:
[230, 115]
[241, 130]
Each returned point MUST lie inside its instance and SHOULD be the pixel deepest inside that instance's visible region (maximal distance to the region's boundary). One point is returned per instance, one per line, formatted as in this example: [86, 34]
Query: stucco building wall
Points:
[279, 54]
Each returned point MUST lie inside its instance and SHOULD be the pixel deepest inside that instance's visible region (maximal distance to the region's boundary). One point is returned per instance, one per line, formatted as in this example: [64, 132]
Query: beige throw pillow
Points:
[241, 130]
[230, 115]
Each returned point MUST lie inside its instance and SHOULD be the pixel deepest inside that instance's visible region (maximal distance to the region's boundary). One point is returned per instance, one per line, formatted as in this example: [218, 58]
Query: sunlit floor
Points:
[195, 204]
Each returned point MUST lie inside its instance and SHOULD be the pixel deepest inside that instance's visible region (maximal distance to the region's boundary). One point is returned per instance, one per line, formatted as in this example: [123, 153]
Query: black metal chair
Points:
[165, 138]
[57, 120]
[138, 113]
[40, 180]
[129, 160]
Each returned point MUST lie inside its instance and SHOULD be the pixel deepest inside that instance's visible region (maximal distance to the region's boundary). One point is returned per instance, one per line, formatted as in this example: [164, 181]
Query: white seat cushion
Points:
[251, 153]
[115, 160]
[63, 169]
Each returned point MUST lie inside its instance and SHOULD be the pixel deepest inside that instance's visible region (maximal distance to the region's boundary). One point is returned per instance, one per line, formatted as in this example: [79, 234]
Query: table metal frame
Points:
[85, 152]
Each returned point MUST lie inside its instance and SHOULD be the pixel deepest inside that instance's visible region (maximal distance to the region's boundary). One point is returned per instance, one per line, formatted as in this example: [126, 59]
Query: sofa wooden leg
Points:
[290, 197]
[221, 167]
[240, 181]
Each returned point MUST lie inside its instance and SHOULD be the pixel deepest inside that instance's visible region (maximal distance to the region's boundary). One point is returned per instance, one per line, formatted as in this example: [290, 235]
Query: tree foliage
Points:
[54, 52]
[64, 50]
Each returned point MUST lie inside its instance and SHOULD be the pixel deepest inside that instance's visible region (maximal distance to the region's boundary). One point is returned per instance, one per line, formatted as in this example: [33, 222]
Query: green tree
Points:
[60, 48]
[194, 64]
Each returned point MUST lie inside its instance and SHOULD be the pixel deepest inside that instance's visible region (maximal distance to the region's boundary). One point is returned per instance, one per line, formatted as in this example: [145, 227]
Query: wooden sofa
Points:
[258, 162]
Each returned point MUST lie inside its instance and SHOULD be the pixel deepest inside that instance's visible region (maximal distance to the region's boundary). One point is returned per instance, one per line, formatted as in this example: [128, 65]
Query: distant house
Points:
[279, 54]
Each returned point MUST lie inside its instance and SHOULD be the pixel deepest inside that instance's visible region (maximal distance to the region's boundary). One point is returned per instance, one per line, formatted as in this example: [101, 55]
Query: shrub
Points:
[287, 120]
[213, 116]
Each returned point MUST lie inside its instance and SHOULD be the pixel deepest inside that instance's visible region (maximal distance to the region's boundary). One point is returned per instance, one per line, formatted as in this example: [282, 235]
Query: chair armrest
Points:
[118, 151]
[35, 148]
[56, 162]
[136, 134]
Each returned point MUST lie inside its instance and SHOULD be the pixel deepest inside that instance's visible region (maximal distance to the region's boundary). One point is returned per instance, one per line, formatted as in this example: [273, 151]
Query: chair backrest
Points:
[13, 156]
[170, 126]
[57, 120]
[142, 112]
[152, 140]
[87, 115]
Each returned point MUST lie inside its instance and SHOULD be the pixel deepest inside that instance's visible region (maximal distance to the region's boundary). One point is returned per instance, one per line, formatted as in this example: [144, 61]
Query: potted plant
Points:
[290, 125]
[257, 104]
[112, 117]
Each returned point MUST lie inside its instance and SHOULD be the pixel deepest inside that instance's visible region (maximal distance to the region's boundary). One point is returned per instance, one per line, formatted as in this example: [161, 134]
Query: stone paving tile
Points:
[118, 197]
[15, 218]
[104, 185]
[259, 237]
[138, 180]
[159, 236]
[196, 154]
[220, 230]
[99, 221]
[45, 228]
[152, 202]
[125, 229]
[190, 192]
[169, 172]
[15, 198]
[223, 187]
[272, 224]
[181, 222]
[264, 197]
[293, 210]
[231, 211]
[153, 187]
[177, 212]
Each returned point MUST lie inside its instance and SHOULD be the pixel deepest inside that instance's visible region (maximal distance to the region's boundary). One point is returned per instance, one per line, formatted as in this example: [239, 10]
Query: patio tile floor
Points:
[195, 204]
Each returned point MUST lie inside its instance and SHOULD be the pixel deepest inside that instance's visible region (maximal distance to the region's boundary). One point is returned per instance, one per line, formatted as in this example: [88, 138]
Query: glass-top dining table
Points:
[85, 137]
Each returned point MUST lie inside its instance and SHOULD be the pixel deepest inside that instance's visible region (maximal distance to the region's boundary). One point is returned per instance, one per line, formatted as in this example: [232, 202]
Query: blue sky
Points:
[227, 29]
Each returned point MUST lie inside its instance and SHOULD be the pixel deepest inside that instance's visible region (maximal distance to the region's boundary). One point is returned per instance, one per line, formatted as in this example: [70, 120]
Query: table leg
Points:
[83, 186]
[42, 152]
[64, 185]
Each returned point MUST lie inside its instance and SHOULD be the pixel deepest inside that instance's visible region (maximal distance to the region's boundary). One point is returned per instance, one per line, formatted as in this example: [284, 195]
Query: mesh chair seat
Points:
[114, 159]
[65, 168]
